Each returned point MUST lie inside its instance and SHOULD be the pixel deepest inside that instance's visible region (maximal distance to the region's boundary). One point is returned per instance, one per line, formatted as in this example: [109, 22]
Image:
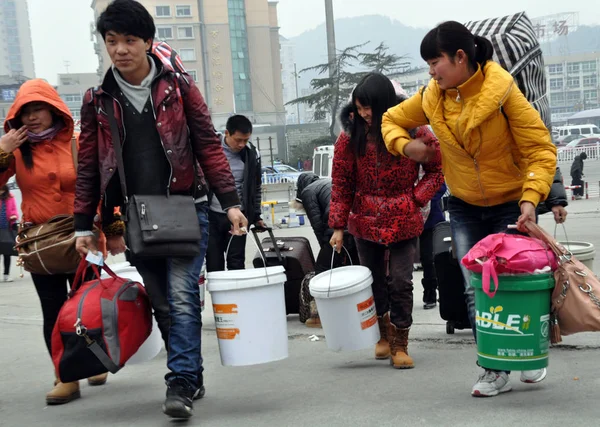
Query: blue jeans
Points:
[470, 224]
[182, 291]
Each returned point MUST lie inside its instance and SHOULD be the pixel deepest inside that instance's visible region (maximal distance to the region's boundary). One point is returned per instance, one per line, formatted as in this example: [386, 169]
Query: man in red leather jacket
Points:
[169, 146]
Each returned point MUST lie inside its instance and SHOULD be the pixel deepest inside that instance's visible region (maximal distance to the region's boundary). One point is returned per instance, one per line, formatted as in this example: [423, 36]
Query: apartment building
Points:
[231, 49]
[72, 87]
[16, 50]
[572, 84]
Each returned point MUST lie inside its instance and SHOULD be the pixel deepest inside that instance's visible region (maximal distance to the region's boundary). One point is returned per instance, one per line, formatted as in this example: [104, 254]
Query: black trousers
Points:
[6, 264]
[577, 180]
[218, 240]
[52, 291]
[426, 254]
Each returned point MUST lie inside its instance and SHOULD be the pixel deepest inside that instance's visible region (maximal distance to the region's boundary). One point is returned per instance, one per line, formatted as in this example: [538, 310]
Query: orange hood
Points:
[39, 90]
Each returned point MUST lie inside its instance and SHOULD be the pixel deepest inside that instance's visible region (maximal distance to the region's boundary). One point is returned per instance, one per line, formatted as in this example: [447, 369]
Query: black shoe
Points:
[429, 305]
[179, 402]
[429, 299]
[200, 391]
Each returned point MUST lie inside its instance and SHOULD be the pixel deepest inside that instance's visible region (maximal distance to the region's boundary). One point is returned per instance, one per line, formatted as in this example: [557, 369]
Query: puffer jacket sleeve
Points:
[558, 194]
[343, 183]
[397, 120]
[433, 179]
[534, 143]
[310, 200]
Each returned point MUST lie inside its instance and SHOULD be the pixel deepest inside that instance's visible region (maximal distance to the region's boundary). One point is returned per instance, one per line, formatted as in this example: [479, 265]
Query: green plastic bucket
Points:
[513, 328]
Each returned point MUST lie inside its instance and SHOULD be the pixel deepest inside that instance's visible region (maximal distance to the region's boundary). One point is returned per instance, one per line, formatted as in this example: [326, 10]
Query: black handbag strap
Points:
[117, 145]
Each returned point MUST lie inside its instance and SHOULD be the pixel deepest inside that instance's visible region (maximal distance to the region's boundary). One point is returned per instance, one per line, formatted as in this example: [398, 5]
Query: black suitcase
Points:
[451, 288]
[295, 255]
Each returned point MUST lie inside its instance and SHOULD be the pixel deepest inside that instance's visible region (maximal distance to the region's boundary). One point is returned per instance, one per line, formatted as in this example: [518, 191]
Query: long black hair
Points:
[375, 91]
[449, 37]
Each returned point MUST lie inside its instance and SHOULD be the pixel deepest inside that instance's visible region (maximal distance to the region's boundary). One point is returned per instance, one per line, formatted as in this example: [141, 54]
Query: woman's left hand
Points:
[527, 214]
[13, 218]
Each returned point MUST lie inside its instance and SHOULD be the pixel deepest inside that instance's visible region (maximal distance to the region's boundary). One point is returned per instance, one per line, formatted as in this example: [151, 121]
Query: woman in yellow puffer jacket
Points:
[497, 156]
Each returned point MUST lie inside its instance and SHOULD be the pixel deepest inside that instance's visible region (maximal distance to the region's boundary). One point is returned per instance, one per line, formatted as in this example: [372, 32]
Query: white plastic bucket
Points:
[154, 343]
[346, 307]
[250, 316]
[583, 251]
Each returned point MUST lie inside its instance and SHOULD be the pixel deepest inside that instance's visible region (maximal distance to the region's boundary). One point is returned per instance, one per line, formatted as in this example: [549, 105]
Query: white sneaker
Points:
[491, 383]
[535, 376]
[7, 278]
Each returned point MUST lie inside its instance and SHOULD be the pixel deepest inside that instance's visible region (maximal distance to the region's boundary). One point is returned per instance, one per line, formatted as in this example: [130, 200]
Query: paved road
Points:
[313, 387]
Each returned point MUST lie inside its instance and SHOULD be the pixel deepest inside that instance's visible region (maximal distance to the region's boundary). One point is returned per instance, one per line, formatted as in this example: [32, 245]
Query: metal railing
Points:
[567, 155]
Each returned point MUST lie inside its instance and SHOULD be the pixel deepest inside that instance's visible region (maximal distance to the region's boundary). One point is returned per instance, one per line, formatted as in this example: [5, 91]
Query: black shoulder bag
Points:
[158, 226]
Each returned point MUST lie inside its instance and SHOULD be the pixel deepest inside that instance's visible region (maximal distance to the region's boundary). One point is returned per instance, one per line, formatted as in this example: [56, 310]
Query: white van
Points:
[323, 161]
[576, 130]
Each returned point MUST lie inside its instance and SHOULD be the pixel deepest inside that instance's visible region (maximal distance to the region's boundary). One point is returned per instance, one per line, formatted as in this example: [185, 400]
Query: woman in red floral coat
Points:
[375, 197]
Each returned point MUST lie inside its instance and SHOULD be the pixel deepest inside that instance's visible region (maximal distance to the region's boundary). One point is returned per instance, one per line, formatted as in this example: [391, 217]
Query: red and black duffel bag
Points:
[102, 324]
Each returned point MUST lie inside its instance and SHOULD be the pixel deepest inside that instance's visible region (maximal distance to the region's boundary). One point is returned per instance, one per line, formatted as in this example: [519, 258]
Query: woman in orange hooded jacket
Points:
[38, 149]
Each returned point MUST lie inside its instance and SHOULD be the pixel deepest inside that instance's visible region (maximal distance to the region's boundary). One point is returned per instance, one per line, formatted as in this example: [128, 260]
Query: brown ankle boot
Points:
[399, 348]
[382, 348]
[313, 322]
[98, 379]
[63, 393]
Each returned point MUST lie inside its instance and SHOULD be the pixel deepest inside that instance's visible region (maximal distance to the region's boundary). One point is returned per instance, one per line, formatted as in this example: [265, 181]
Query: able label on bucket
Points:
[367, 313]
[225, 321]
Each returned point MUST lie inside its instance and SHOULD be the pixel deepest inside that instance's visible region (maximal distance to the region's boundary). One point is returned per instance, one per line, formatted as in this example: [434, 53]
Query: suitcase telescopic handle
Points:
[255, 230]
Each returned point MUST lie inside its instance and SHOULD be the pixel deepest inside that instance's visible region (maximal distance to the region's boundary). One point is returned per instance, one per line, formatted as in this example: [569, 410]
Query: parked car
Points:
[578, 131]
[280, 173]
[566, 140]
[582, 143]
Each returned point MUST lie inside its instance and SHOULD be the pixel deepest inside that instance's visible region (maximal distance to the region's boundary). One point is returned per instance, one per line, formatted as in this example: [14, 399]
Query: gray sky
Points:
[61, 28]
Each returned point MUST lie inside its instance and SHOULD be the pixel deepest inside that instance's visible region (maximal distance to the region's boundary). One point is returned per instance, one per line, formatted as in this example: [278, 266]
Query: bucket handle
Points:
[331, 269]
[262, 255]
[565, 231]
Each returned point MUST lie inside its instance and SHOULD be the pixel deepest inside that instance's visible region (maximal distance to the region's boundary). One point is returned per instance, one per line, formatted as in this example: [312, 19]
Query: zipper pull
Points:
[143, 210]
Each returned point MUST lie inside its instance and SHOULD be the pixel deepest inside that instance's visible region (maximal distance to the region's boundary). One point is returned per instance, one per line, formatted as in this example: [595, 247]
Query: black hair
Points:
[127, 17]
[238, 123]
[375, 91]
[6, 195]
[449, 37]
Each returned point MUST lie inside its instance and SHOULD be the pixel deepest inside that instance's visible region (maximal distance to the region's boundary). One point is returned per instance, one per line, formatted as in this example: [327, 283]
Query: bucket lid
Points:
[120, 268]
[578, 248]
[516, 283]
[230, 280]
[344, 281]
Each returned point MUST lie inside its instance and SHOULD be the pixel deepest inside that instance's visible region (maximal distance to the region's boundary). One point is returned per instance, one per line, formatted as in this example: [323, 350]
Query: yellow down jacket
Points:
[495, 147]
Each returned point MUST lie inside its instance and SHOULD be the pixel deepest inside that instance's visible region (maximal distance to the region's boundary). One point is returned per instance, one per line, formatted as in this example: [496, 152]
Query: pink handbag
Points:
[507, 254]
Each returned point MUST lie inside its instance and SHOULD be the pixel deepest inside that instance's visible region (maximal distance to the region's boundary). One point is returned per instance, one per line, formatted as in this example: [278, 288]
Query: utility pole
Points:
[332, 57]
[297, 105]
[329, 23]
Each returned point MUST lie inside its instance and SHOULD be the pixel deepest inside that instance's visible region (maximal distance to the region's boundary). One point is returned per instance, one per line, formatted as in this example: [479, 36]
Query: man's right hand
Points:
[337, 240]
[13, 139]
[85, 244]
